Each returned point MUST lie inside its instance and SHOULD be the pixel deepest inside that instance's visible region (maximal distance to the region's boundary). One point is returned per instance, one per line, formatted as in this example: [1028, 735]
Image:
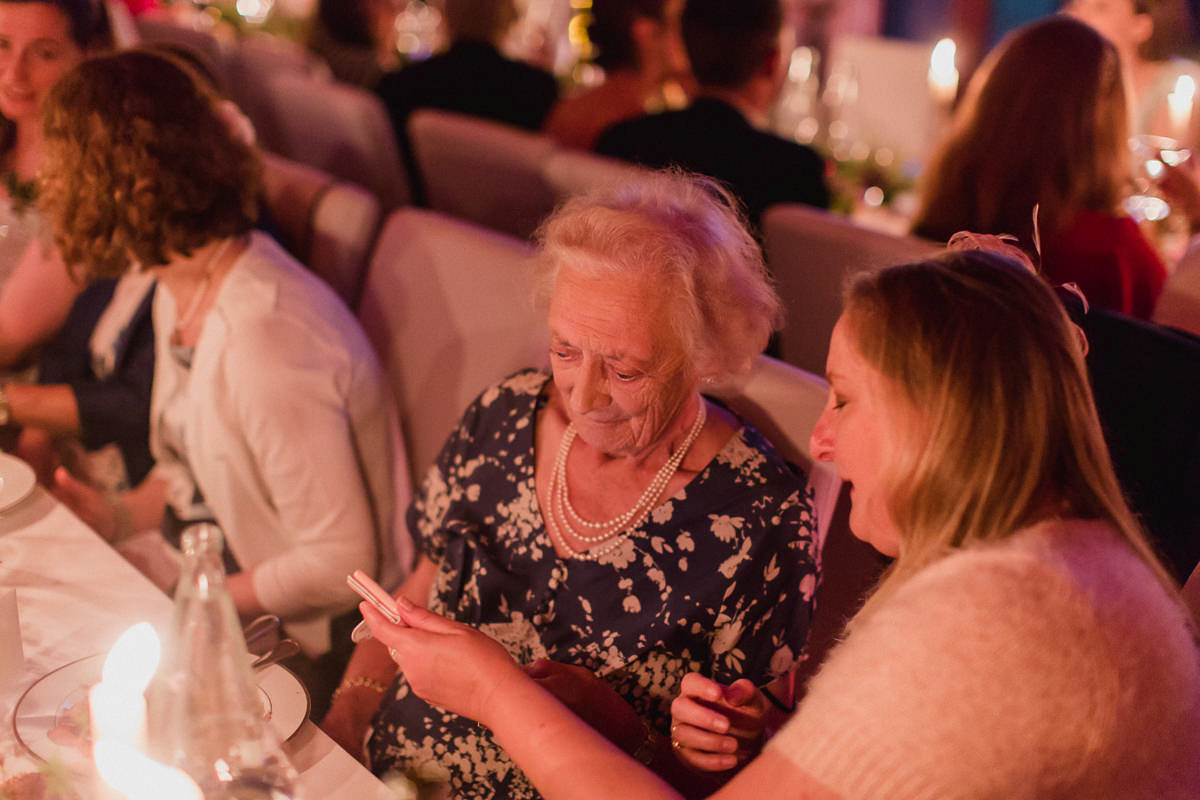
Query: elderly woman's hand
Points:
[716, 727]
[447, 664]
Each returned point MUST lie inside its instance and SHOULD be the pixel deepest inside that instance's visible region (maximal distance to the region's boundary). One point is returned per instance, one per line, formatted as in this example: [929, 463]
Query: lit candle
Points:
[117, 704]
[1179, 104]
[943, 75]
[137, 777]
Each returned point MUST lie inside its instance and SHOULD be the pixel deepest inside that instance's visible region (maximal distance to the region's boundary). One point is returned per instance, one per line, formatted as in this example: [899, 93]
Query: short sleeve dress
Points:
[719, 579]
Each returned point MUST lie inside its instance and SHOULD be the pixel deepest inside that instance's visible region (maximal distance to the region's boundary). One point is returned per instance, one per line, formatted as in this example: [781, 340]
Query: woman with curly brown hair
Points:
[269, 412]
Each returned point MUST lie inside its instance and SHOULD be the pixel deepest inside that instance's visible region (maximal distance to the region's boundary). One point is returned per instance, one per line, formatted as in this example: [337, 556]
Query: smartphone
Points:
[374, 594]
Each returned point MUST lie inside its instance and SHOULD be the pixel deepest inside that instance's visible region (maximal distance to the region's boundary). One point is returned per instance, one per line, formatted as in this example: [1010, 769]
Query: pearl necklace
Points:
[189, 315]
[563, 515]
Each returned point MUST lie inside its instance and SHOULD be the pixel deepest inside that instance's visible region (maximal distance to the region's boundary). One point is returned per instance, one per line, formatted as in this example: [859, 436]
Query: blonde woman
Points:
[1026, 642]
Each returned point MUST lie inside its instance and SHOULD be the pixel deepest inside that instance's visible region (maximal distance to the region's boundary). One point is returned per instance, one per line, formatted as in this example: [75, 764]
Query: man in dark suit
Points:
[737, 57]
[471, 77]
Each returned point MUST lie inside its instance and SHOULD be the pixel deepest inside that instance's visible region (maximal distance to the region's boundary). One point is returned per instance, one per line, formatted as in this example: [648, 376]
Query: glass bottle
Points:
[208, 716]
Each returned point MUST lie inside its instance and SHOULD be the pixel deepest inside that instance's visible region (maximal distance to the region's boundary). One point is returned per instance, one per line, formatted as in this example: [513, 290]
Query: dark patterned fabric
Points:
[719, 579]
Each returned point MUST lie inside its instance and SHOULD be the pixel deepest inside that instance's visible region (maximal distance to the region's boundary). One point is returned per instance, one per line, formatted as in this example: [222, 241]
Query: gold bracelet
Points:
[361, 681]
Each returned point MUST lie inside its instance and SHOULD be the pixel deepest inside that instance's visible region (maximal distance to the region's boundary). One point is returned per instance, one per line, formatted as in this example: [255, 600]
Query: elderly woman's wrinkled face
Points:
[36, 49]
[618, 367]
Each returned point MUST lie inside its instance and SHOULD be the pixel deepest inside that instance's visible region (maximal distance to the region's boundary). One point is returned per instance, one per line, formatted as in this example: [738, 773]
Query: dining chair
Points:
[784, 402]
[326, 223]
[570, 172]
[482, 171]
[448, 306]
[211, 51]
[811, 253]
[340, 129]
[257, 56]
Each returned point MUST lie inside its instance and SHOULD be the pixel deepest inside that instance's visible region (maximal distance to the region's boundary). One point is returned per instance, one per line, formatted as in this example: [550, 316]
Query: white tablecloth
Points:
[75, 596]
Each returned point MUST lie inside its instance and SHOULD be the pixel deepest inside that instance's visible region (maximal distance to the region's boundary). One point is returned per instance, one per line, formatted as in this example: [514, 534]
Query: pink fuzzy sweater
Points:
[1052, 665]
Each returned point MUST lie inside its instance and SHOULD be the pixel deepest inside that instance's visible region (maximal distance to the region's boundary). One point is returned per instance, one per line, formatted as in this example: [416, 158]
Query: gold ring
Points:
[674, 727]
[676, 744]
[393, 654]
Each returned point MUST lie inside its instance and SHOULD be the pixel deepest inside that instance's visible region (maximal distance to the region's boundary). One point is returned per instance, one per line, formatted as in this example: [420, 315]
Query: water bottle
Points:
[207, 714]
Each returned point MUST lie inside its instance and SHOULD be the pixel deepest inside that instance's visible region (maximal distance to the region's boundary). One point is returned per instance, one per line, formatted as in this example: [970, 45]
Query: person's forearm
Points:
[565, 758]
[245, 599]
[51, 408]
[146, 503]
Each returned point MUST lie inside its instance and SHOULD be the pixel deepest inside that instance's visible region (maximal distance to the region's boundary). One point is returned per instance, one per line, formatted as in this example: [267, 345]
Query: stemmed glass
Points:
[1152, 155]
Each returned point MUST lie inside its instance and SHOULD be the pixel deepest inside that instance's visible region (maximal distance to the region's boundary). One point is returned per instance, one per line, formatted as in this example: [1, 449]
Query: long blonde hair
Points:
[1009, 435]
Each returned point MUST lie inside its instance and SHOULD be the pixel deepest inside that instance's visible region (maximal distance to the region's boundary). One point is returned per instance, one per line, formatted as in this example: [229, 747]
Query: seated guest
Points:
[1152, 38]
[43, 40]
[611, 527]
[1025, 643]
[738, 63]
[356, 38]
[93, 390]
[269, 412]
[1020, 142]
[637, 45]
[471, 77]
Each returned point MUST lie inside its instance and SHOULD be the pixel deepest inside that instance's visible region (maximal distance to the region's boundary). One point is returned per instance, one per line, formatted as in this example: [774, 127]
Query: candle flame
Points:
[137, 777]
[1185, 89]
[133, 660]
[941, 63]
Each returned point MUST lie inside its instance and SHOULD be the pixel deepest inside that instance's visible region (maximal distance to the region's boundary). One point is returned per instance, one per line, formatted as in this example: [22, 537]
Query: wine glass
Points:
[1152, 155]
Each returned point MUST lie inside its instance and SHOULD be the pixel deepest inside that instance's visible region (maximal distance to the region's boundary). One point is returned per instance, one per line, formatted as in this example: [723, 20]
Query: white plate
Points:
[53, 708]
[16, 481]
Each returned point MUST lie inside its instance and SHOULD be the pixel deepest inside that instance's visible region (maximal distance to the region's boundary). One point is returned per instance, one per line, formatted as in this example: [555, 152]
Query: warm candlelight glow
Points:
[116, 704]
[943, 75]
[134, 658]
[118, 715]
[1179, 104]
[137, 777]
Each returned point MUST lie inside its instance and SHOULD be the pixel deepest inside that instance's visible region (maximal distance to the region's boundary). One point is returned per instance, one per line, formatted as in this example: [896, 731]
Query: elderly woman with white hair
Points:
[1026, 641]
[608, 525]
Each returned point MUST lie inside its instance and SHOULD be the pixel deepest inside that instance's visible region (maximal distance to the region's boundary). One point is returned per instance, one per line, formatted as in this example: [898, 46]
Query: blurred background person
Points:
[1153, 38]
[471, 76]
[1044, 126]
[356, 38]
[738, 54]
[270, 415]
[609, 525]
[638, 47]
[39, 41]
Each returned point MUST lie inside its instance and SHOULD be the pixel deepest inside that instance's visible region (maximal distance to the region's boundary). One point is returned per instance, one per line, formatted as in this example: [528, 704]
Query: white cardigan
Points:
[287, 435]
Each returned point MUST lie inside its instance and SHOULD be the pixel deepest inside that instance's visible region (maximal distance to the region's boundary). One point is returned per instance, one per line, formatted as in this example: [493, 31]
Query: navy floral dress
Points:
[719, 579]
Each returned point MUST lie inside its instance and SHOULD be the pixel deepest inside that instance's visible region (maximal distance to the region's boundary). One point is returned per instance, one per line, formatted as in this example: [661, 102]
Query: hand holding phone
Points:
[374, 594]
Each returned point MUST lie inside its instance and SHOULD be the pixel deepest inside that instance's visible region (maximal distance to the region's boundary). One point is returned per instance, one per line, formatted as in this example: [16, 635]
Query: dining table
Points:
[75, 595]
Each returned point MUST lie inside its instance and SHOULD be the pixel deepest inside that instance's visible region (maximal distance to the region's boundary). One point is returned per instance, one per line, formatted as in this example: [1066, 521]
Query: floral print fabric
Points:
[719, 579]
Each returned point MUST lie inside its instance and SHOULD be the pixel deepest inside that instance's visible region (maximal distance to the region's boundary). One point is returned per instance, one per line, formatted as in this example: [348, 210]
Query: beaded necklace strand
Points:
[564, 517]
